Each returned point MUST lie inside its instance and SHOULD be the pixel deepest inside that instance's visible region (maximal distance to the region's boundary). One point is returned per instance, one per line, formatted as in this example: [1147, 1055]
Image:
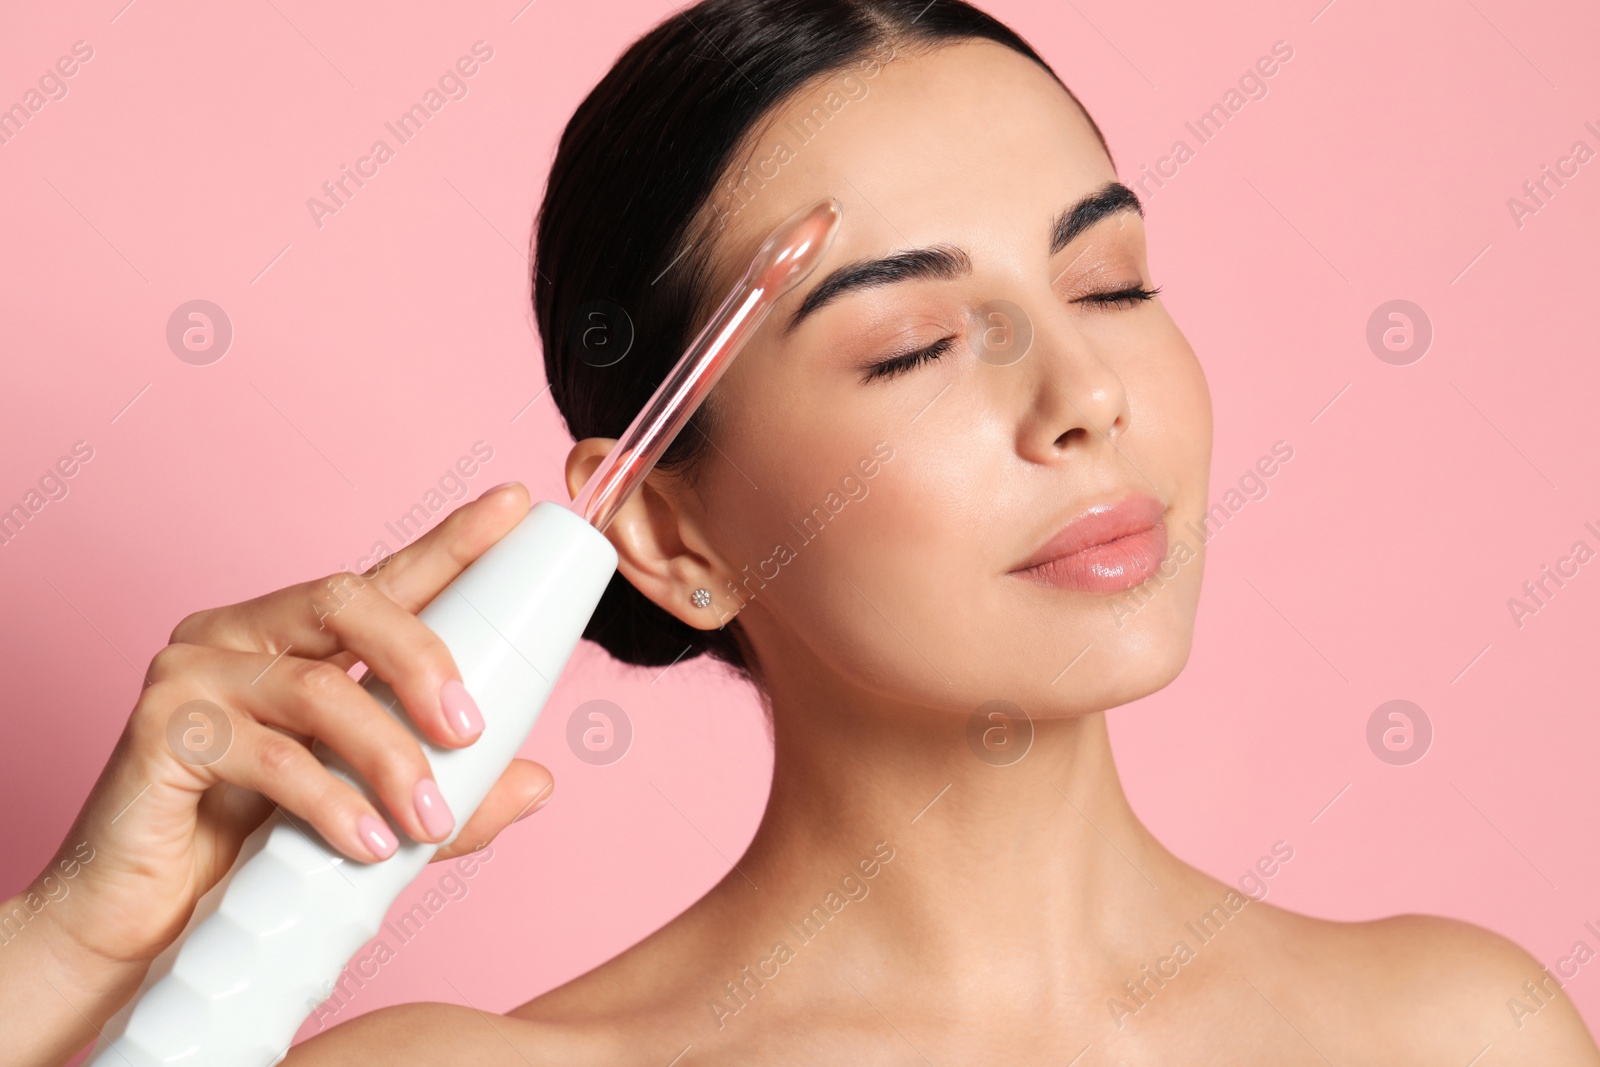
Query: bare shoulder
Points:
[1427, 987]
[623, 1010]
[427, 1034]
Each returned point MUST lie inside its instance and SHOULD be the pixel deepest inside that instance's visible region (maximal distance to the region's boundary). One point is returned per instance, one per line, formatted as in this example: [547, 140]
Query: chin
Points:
[1131, 653]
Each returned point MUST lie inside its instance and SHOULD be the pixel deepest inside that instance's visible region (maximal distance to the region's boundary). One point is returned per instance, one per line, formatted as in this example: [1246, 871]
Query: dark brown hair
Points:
[618, 261]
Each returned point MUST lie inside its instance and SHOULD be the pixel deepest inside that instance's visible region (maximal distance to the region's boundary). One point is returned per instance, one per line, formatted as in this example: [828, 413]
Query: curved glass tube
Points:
[788, 254]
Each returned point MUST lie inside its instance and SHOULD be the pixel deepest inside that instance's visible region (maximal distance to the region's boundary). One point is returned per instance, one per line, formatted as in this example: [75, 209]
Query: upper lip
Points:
[1132, 513]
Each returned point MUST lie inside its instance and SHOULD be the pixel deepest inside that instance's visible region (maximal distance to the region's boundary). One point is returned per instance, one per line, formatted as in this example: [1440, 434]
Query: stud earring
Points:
[700, 598]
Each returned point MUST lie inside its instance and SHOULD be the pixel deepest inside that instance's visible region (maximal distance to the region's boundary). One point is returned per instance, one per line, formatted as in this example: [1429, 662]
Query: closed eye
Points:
[888, 368]
[899, 364]
[1128, 297]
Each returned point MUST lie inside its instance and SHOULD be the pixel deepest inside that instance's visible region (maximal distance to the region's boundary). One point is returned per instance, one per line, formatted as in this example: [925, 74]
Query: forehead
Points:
[971, 144]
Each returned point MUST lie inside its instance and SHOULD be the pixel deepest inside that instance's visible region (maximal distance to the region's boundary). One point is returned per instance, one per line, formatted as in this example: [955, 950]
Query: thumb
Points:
[523, 789]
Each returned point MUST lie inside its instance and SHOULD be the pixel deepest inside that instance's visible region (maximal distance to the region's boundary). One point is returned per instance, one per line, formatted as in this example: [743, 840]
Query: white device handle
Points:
[265, 944]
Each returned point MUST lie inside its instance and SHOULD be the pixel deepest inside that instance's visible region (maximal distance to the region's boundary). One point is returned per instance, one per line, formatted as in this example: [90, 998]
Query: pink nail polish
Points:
[494, 489]
[377, 836]
[431, 809]
[460, 710]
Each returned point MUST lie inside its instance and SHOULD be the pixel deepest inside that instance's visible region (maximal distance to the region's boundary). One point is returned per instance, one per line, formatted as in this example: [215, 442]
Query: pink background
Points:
[371, 353]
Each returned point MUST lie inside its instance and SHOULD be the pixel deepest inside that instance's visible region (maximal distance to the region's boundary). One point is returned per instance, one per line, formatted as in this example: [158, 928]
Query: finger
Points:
[293, 617]
[523, 789]
[285, 772]
[400, 648]
[414, 576]
[314, 699]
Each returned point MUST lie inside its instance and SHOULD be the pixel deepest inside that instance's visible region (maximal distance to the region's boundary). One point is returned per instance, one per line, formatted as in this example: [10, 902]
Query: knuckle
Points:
[321, 683]
[336, 592]
[423, 650]
[170, 661]
[278, 755]
[398, 757]
[326, 794]
[189, 627]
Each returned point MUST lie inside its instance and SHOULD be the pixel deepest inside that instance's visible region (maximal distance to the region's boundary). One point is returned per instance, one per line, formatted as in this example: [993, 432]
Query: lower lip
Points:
[1111, 567]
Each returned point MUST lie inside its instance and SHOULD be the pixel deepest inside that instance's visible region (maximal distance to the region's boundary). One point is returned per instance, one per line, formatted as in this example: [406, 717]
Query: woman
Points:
[927, 514]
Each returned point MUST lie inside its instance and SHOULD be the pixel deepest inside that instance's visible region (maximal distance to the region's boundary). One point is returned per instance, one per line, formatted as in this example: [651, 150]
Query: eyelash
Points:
[1122, 297]
[900, 364]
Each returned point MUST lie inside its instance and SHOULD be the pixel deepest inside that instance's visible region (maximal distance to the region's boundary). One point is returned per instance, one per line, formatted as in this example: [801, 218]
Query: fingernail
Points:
[538, 802]
[495, 489]
[377, 836]
[431, 808]
[460, 710]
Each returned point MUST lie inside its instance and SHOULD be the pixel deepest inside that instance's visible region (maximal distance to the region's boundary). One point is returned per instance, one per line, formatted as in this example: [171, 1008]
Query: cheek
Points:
[1169, 435]
[1191, 394]
[867, 561]
[902, 590]
[928, 611]
[875, 595]
[1165, 382]
[1173, 434]
[884, 594]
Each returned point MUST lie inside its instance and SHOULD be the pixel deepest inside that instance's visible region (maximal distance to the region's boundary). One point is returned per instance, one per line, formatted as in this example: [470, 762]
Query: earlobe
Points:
[659, 551]
[707, 608]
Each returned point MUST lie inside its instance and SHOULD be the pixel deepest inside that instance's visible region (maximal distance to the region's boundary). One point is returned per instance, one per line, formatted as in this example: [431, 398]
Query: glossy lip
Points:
[1107, 548]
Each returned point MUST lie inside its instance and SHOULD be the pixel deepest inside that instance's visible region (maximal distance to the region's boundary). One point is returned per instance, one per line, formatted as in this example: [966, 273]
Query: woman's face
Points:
[867, 526]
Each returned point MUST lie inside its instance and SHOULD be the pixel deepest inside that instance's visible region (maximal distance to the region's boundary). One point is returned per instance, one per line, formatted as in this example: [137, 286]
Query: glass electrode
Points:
[788, 254]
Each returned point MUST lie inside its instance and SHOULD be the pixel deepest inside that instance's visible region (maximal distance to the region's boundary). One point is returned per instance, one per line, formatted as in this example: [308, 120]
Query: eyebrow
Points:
[948, 261]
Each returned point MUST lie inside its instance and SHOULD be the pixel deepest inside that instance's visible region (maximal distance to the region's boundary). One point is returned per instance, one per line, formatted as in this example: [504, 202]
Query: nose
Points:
[1074, 402]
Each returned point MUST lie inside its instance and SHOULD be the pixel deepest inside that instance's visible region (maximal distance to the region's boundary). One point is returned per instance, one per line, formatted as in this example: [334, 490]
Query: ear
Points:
[661, 549]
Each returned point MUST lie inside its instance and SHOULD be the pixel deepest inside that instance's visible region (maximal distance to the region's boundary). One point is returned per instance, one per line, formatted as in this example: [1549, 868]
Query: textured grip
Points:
[290, 916]
[265, 945]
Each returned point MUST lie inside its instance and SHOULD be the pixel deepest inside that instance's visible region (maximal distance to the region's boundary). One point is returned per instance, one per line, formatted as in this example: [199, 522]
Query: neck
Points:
[1028, 866]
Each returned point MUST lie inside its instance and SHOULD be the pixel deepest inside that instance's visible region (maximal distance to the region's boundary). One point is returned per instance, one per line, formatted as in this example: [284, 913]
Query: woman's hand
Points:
[221, 735]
